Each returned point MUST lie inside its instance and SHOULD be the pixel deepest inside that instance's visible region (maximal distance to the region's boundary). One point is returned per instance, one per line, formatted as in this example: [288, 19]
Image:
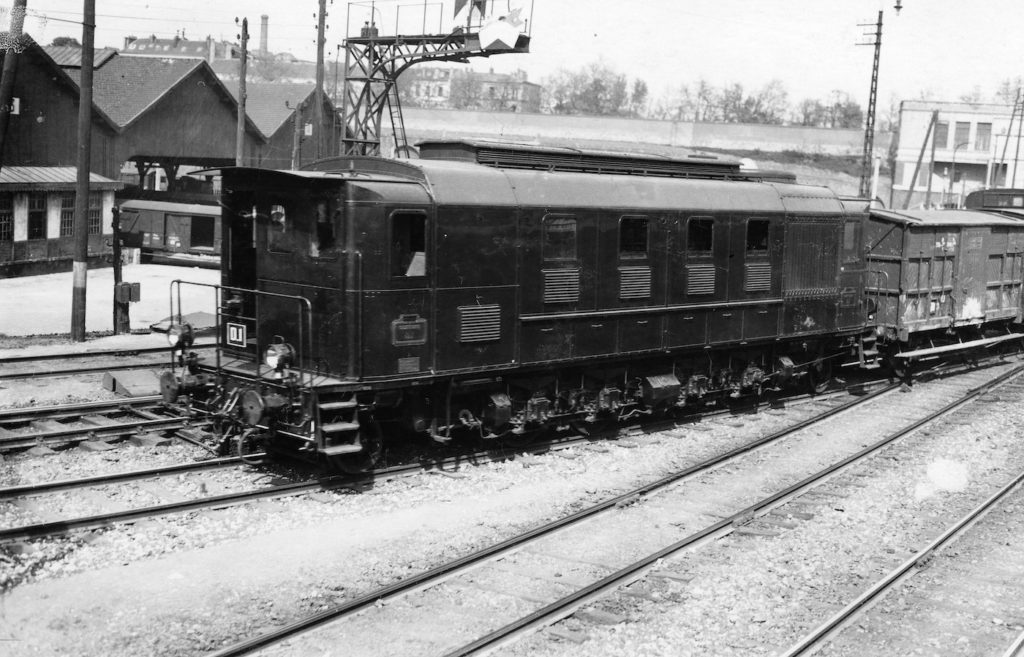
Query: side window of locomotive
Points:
[700, 235]
[633, 237]
[324, 243]
[558, 240]
[757, 235]
[850, 241]
[280, 231]
[408, 244]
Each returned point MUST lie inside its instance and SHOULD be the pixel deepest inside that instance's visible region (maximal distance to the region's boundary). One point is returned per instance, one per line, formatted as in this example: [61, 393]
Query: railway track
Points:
[39, 366]
[857, 608]
[55, 426]
[64, 526]
[565, 567]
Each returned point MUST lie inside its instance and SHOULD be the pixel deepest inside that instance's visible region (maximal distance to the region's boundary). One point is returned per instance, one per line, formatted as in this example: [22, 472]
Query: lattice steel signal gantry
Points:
[372, 66]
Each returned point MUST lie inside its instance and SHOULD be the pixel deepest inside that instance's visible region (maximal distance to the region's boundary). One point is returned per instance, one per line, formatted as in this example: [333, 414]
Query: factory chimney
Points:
[264, 19]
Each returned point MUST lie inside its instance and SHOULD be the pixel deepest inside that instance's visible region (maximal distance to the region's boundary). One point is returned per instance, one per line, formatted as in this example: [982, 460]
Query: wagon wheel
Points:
[819, 375]
[372, 439]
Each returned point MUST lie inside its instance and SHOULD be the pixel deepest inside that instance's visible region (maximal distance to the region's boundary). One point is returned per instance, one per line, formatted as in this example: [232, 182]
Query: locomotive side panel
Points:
[393, 233]
[476, 287]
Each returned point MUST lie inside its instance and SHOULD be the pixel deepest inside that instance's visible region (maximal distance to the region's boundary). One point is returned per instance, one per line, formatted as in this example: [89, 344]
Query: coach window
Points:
[757, 235]
[408, 244]
[633, 236]
[558, 238]
[700, 234]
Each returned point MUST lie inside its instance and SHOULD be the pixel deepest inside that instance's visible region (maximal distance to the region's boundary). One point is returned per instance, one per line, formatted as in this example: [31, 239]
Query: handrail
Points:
[305, 328]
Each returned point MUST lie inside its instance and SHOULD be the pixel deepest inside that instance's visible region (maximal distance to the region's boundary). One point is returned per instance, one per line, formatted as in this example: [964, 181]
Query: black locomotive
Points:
[491, 290]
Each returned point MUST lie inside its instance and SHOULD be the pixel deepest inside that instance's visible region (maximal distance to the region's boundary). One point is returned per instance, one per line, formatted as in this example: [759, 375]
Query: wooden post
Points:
[318, 98]
[81, 228]
[242, 66]
[122, 323]
[10, 70]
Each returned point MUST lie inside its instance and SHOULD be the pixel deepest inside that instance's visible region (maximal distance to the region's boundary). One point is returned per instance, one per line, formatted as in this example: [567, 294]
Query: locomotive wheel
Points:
[819, 375]
[372, 439]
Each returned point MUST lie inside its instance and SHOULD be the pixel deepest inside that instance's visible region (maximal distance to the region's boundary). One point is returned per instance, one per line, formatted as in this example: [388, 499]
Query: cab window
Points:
[408, 244]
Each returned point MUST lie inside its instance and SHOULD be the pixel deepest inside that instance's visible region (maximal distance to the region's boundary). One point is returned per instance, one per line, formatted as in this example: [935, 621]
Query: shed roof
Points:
[271, 104]
[17, 178]
[71, 56]
[127, 86]
[945, 217]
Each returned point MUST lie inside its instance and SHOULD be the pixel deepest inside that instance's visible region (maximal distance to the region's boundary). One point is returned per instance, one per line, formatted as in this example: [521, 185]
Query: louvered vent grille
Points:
[479, 323]
[812, 259]
[634, 282]
[758, 277]
[700, 279]
[561, 285]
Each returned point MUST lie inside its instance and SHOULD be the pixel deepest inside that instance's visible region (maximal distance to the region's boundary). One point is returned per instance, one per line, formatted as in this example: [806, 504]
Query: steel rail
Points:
[22, 490]
[819, 636]
[107, 353]
[61, 436]
[464, 563]
[65, 410]
[635, 571]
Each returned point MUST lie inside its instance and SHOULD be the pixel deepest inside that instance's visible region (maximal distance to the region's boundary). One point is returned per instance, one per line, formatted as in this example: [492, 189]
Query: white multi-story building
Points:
[970, 146]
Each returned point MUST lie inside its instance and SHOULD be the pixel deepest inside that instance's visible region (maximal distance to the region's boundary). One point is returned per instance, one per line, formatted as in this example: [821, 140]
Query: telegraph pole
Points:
[10, 69]
[81, 227]
[242, 66]
[318, 97]
[869, 128]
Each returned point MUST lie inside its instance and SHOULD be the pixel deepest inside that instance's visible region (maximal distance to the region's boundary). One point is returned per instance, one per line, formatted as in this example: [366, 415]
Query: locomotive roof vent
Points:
[515, 155]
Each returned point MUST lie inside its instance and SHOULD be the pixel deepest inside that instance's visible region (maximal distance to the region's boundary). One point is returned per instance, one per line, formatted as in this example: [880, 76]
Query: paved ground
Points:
[41, 305]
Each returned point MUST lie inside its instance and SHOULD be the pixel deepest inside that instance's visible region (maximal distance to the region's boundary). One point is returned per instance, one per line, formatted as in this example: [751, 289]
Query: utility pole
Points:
[81, 227]
[318, 96]
[10, 69]
[242, 66]
[869, 127]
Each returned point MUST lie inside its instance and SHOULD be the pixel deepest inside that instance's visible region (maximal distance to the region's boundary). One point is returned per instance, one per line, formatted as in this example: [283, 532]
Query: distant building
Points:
[447, 88]
[975, 146]
[180, 47]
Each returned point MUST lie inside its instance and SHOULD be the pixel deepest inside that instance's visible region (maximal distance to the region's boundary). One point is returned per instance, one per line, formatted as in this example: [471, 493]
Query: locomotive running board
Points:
[931, 351]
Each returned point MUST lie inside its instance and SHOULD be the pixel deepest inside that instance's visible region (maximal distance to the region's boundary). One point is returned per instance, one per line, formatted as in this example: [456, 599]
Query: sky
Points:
[939, 49]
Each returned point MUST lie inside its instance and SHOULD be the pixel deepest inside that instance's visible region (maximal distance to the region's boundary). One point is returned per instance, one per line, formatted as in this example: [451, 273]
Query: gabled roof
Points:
[18, 178]
[271, 104]
[71, 56]
[127, 86]
[61, 75]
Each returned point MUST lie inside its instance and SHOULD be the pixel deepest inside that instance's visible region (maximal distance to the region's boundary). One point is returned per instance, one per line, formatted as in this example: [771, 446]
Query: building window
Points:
[757, 235]
[983, 137]
[67, 214]
[700, 235]
[633, 237]
[95, 213]
[941, 134]
[6, 217]
[37, 216]
[963, 133]
[923, 174]
[559, 238]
